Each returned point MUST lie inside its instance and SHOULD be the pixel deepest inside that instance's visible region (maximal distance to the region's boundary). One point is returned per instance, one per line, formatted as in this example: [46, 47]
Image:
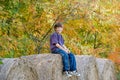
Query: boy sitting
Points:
[57, 47]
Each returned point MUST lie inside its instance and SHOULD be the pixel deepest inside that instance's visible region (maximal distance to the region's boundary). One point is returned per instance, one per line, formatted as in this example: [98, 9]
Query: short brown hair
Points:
[58, 25]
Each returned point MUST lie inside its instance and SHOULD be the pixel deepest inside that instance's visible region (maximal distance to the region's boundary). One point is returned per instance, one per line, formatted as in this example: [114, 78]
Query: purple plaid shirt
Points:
[56, 38]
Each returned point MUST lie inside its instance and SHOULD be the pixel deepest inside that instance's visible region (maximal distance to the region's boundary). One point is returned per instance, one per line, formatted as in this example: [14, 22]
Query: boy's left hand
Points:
[68, 50]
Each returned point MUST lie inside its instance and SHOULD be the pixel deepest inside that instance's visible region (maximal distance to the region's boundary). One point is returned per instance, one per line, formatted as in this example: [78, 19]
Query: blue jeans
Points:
[68, 60]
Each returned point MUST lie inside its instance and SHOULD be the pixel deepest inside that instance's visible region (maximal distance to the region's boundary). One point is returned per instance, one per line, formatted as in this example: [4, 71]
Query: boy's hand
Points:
[63, 48]
[68, 51]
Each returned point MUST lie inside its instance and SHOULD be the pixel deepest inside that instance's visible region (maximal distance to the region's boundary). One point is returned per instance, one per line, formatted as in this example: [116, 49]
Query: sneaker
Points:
[75, 73]
[67, 74]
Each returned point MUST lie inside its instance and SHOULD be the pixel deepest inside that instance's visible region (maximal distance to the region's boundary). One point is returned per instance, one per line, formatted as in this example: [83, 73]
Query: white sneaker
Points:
[75, 73]
[67, 74]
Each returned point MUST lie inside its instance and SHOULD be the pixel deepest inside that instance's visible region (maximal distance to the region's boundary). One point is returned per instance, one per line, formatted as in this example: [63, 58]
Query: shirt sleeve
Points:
[54, 39]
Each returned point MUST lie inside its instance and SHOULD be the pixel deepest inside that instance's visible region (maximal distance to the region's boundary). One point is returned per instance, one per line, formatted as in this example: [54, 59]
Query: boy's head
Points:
[58, 27]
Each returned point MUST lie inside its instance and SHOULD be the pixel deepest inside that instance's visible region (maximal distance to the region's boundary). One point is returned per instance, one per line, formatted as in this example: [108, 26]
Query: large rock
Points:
[17, 69]
[105, 69]
[49, 67]
[86, 66]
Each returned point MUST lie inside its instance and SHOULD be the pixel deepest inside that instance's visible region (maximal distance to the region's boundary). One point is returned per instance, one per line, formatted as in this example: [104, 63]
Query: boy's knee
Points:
[71, 55]
[65, 55]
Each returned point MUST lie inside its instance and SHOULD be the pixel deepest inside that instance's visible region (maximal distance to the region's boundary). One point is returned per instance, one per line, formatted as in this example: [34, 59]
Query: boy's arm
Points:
[66, 48]
[59, 46]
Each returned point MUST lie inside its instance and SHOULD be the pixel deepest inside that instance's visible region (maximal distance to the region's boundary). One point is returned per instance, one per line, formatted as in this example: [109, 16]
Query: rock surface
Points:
[105, 69]
[49, 67]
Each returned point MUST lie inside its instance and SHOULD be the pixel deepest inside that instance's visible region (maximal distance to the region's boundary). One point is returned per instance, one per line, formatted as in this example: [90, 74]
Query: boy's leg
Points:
[65, 59]
[73, 69]
[72, 62]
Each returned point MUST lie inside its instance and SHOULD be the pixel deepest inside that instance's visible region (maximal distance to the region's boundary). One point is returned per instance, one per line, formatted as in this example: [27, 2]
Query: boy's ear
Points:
[54, 29]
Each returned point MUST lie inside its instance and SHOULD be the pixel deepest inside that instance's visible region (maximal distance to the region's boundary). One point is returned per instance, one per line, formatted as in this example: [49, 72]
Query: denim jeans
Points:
[68, 60]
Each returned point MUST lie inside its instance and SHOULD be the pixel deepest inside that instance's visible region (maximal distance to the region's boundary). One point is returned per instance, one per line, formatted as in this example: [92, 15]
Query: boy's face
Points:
[59, 29]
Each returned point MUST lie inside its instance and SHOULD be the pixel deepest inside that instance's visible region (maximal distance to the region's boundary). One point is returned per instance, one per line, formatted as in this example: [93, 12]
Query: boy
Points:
[57, 47]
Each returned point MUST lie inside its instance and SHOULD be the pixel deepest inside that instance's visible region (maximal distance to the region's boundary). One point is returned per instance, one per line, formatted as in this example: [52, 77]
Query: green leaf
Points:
[1, 61]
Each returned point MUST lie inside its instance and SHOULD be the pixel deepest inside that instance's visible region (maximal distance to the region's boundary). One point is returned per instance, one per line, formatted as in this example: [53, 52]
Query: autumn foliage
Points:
[91, 27]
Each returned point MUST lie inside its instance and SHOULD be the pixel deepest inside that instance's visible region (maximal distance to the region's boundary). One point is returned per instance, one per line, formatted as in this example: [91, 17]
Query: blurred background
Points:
[91, 27]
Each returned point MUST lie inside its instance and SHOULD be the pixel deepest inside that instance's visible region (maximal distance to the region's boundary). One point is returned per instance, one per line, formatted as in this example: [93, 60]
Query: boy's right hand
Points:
[67, 50]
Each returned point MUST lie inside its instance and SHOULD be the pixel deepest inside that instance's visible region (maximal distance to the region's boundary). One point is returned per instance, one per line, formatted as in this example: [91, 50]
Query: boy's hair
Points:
[58, 25]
